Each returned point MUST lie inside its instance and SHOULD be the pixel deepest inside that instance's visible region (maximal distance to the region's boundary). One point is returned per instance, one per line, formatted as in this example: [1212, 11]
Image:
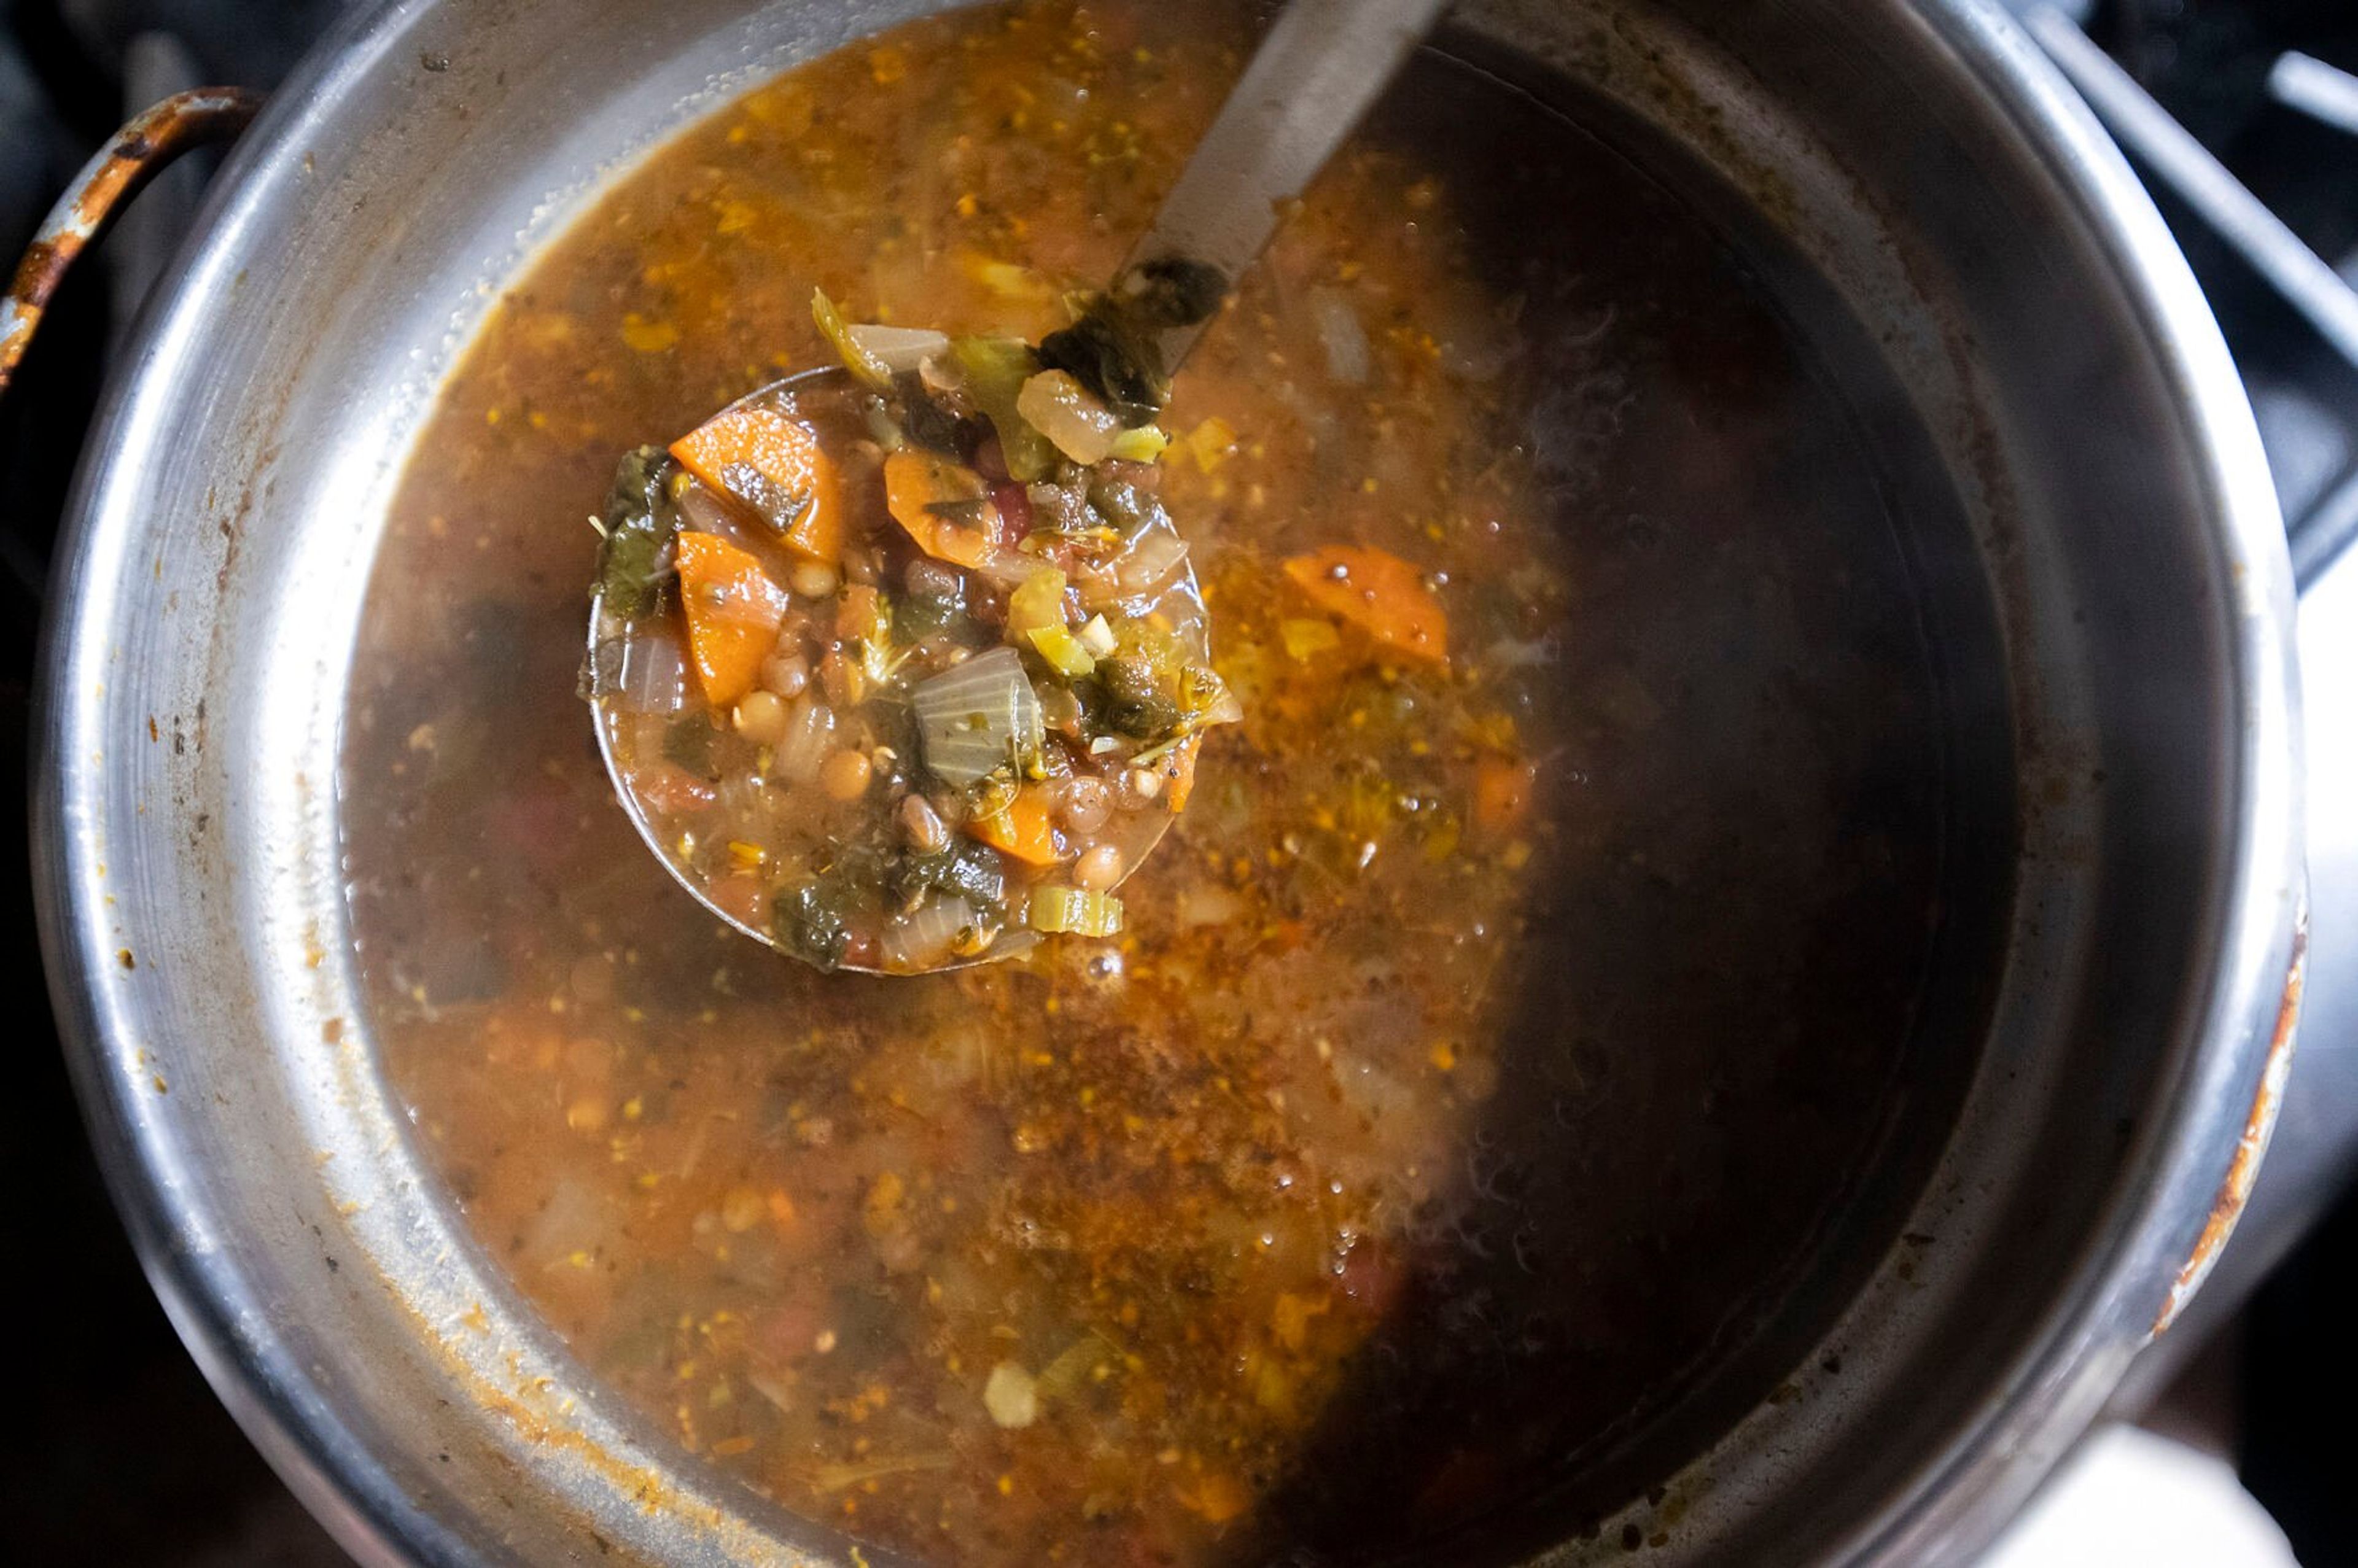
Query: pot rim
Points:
[2055, 1386]
[2198, 1160]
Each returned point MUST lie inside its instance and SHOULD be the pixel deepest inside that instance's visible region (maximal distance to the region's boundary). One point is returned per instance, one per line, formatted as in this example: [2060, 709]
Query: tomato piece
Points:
[1377, 592]
[775, 466]
[733, 612]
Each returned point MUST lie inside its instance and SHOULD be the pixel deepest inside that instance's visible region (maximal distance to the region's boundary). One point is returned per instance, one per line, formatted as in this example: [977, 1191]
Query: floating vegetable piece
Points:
[1306, 639]
[945, 507]
[1010, 1397]
[1502, 792]
[978, 718]
[1377, 592]
[774, 465]
[898, 349]
[865, 366]
[1210, 443]
[733, 610]
[1024, 828]
[1076, 912]
[1062, 409]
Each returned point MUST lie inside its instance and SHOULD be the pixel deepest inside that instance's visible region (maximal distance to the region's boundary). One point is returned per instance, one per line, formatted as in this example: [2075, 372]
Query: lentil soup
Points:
[1490, 1047]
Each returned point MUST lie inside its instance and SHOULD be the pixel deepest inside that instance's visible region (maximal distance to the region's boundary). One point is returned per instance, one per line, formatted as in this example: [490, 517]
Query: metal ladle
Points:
[1314, 75]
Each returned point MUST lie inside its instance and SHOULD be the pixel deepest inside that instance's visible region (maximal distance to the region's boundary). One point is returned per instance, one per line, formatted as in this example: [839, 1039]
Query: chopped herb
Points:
[811, 923]
[1111, 350]
[1122, 367]
[917, 616]
[931, 426]
[688, 743]
[967, 870]
[1133, 701]
[1170, 291]
[635, 560]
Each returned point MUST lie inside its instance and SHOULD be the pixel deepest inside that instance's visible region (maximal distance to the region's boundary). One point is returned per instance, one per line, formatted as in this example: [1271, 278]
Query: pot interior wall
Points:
[2032, 448]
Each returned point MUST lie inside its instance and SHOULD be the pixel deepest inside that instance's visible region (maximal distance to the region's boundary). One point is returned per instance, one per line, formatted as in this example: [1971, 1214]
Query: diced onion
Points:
[1150, 562]
[1010, 1396]
[1512, 655]
[898, 349]
[1225, 708]
[942, 925]
[797, 757]
[977, 717]
[1011, 569]
[1340, 334]
[1211, 905]
[1060, 408]
[653, 675]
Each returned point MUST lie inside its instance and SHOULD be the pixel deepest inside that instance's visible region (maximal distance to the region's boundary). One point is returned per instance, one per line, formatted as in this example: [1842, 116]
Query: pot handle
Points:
[140, 151]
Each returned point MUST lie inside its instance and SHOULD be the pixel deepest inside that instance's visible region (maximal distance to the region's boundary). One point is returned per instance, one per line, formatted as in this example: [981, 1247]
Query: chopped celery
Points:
[1143, 444]
[865, 367]
[1074, 911]
[1062, 651]
[1038, 603]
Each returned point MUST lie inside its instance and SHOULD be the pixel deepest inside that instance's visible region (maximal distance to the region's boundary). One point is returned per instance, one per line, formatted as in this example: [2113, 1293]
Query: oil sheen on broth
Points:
[1490, 1040]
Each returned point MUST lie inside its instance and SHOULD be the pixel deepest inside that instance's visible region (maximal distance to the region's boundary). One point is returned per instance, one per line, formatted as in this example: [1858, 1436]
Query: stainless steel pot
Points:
[2021, 299]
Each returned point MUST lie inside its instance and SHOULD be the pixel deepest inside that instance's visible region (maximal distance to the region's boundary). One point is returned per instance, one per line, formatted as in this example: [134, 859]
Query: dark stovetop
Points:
[118, 1453]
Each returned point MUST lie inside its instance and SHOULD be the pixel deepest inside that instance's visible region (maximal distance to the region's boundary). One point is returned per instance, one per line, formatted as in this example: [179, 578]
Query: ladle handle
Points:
[140, 151]
[1306, 88]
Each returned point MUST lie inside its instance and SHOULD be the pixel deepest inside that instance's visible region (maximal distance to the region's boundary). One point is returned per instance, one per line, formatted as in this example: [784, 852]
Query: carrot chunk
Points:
[1377, 592]
[1023, 829]
[733, 612]
[1502, 794]
[945, 507]
[773, 466]
[1180, 768]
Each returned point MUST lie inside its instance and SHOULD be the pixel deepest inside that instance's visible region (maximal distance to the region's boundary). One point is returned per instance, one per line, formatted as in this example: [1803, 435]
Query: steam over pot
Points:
[2116, 571]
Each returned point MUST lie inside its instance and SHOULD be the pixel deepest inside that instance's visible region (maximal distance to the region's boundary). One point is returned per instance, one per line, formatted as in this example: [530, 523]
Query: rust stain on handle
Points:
[140, 151]
[2236, 1190]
